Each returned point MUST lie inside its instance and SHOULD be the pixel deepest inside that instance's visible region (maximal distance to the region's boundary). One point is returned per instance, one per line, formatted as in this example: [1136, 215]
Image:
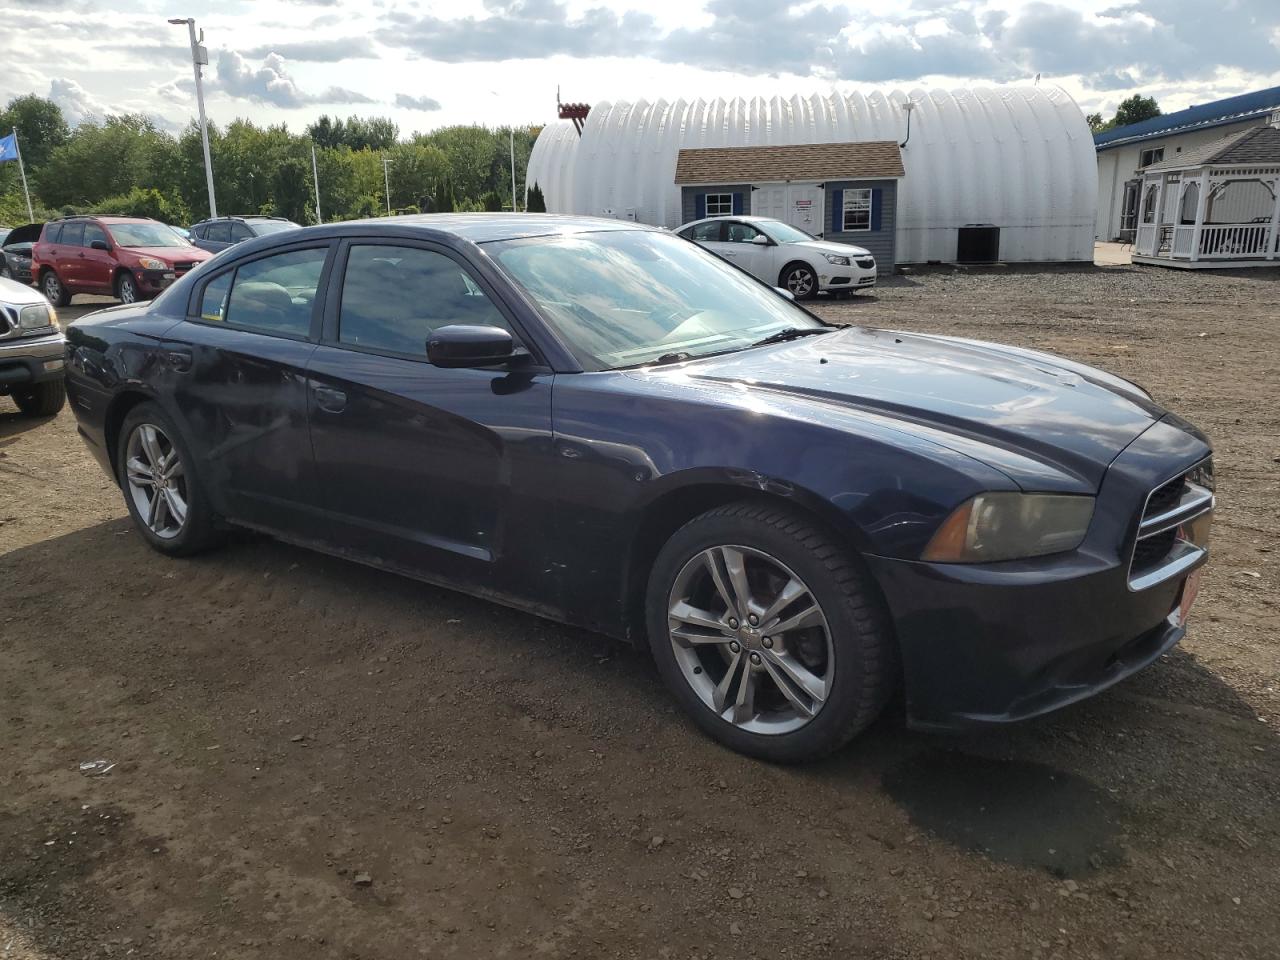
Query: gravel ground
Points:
[313, 759]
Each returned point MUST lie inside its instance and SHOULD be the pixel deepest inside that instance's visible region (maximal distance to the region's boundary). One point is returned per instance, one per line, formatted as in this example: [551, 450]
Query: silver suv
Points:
[222, 232]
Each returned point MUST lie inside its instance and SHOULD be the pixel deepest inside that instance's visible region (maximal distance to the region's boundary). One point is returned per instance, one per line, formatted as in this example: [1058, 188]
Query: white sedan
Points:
[779, 254]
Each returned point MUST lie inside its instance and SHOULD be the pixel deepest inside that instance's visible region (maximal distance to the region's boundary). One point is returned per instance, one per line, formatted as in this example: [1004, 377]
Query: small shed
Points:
[1217, 205]
[846, 192]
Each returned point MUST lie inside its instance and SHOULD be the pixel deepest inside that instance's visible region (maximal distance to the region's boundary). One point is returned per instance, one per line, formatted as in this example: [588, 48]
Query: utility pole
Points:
[199, 58]
[386, 182]
[315, 177]
[515, 206]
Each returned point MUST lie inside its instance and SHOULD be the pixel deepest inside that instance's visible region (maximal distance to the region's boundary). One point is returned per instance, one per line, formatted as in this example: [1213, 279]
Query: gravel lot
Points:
[286, 727]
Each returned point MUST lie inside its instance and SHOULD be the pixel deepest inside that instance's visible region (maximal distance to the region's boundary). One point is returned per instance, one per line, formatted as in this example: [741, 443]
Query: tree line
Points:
[126, 164]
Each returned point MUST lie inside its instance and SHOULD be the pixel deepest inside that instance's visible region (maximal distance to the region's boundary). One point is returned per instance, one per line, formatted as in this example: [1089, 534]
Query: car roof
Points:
[489, 227]
[742, 217]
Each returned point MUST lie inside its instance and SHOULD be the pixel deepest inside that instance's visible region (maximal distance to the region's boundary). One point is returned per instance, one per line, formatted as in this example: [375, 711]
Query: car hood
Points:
[19, 294]
[839, 249]
[27, 233]
[1011, 408]
[172, 254]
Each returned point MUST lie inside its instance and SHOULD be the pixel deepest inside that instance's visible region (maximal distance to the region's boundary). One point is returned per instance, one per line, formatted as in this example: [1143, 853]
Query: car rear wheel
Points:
[161, 488]
[127, 288]
[53, 289]
[769, 633]
[41, 399]
[799, 278]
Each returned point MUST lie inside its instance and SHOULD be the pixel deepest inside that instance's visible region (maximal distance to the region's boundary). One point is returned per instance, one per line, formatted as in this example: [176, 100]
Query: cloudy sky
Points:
[427, 63]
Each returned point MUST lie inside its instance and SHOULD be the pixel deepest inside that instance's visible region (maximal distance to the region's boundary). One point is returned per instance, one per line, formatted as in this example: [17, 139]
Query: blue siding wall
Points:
[880, 239]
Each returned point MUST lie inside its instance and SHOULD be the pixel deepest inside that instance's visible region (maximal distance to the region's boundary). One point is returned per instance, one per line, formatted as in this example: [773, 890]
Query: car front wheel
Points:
[769, 633]
[41, 399]
[127, 288]
[160, 485]
[800, 279]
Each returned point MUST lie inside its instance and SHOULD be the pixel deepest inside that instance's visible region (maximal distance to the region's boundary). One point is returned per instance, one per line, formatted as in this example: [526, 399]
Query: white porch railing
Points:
[1183, 240]
[1230, 241]
[1146, 242]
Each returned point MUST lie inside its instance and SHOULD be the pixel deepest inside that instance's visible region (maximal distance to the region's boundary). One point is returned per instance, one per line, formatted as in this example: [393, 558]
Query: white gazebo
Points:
[1217, 205]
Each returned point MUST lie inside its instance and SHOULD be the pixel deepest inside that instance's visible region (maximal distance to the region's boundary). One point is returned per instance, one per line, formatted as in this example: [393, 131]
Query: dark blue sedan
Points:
[606, 425]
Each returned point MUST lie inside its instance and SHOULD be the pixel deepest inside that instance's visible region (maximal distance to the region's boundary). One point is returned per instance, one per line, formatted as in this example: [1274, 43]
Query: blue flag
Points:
[9, 148]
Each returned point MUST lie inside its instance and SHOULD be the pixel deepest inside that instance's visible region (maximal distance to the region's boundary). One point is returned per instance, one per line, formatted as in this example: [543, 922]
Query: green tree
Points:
[146, 202]
[1135, 109]
[492, 201]
[105, 160]
[535, 202]
[1096, 123]
[41, 127]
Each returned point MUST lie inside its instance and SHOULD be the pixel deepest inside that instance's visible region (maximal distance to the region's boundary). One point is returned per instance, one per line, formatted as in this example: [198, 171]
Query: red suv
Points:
[131, 258]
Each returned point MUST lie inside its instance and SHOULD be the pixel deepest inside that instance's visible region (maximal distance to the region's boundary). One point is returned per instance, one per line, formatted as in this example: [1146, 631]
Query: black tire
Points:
[41, 399]
[127, 288]
[199, 531]
[800, 280]
[865, 649]
[52, 288]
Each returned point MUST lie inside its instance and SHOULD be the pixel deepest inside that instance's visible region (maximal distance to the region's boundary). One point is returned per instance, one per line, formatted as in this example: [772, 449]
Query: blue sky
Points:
[500, 61]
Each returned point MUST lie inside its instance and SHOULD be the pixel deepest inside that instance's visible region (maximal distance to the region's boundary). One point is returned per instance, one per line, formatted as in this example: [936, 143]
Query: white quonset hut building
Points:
[1004, 173]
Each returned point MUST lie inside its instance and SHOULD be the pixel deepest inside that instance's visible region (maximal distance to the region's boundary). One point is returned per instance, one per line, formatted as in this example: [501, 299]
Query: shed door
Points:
[799, 204]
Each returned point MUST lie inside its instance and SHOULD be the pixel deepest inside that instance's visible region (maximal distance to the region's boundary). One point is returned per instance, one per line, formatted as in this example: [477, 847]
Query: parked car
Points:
[782, 255]
[218, 234]
[31, 351]
[131, 258]
[15, 252]
[183, 232]
[4, 234]
[795, 517]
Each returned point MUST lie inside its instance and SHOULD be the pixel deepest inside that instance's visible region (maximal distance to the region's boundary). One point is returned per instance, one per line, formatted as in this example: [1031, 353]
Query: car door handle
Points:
[180, 360]
[330, 400]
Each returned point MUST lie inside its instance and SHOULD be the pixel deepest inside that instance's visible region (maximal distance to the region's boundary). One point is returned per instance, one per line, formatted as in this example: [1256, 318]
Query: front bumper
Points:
[152, 282]
[997, 643]
[31, 360]
[837, 278]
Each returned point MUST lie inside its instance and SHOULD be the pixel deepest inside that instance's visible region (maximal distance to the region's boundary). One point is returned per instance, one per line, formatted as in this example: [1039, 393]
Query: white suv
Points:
[780, 255]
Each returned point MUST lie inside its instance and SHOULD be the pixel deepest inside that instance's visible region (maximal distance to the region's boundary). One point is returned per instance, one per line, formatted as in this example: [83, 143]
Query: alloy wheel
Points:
[751, 639]
[52, 287]
[157, 480]
[127, 289]
[800, 282]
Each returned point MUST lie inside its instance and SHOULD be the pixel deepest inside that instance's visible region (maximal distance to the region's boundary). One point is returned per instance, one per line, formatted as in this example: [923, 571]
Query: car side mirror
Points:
[99, 245]
[760, 240]
[466, 345]
[784, 292]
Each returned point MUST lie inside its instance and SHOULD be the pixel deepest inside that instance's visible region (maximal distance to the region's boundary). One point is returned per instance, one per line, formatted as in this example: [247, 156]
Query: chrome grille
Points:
[1169, 540]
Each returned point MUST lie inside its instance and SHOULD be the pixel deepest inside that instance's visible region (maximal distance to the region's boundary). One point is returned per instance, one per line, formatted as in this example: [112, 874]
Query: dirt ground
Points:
[285, 726]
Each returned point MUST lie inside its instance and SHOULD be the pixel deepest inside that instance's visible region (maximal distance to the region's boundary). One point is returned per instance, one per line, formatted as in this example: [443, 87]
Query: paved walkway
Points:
[1113, 254]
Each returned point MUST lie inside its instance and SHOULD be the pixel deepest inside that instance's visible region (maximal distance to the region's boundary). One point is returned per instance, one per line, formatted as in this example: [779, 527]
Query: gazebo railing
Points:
[1147, 241]
[1233, 240]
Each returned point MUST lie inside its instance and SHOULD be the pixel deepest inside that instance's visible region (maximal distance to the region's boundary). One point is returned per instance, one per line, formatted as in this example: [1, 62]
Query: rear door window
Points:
[53, 233]
[706, 232]
[218, 232]
[73, 234]
[275, 294]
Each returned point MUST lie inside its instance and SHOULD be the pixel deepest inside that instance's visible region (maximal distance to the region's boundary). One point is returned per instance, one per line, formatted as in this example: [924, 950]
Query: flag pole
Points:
[315, 176]
[22, 170]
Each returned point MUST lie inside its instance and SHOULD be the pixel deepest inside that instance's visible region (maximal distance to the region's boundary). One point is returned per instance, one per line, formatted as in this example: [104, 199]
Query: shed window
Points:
[857, 209]
[1149, 157]
[719, 204]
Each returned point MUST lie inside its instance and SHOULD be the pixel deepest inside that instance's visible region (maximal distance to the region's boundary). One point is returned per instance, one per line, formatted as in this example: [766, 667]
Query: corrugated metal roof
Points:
[1246, 106]
[1257, 145]
[859, 160]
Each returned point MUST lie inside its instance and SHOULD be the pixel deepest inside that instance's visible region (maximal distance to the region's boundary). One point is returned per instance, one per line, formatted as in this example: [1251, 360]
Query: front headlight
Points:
[836, 259]
[1010, 526]
[35, 316]
[151, 263]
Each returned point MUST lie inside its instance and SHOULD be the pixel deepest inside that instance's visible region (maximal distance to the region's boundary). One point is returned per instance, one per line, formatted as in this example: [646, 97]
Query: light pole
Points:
[199, 58]
[386, 182]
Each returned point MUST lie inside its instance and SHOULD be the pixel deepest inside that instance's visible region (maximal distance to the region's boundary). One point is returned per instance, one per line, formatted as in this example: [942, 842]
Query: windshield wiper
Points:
[678, 357]
[791, 333]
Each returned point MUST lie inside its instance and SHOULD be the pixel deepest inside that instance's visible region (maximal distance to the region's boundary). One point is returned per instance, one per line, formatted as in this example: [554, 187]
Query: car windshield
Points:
[264, 227]
[630, 297]
[781, 232]
[145, 235]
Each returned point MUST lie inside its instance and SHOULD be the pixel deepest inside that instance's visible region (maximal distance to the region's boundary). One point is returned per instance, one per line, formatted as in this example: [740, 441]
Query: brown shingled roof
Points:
[802, 161]
[1255, 145]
